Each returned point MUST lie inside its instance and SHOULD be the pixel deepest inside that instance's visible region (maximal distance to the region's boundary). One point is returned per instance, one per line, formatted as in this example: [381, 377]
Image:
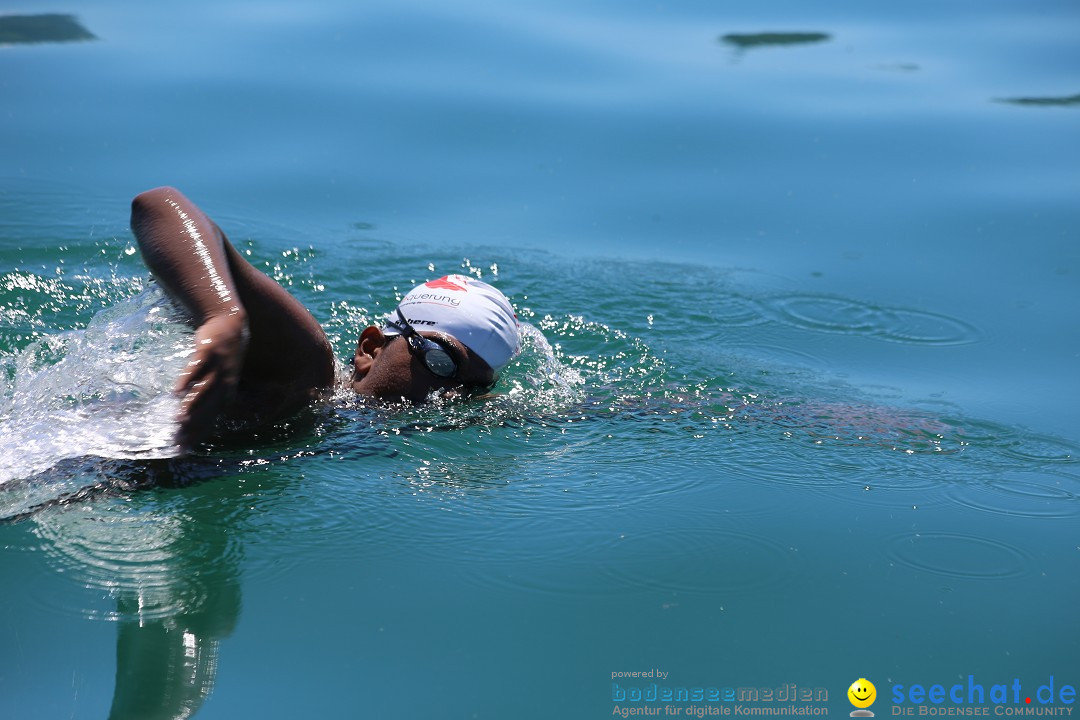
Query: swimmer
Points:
[260, 355]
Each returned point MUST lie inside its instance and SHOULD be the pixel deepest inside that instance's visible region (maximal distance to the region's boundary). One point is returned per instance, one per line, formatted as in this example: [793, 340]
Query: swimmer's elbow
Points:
[146, 202]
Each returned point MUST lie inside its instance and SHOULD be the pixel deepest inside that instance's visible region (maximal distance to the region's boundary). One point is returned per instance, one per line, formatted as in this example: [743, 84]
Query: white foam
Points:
[104, 391]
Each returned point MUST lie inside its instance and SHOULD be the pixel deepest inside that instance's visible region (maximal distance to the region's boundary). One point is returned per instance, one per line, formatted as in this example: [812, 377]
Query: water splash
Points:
[104, 391]
[597, 383]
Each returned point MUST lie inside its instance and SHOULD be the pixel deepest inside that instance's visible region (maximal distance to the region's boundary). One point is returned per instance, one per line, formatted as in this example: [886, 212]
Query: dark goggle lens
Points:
[437, 358]
[439, 361]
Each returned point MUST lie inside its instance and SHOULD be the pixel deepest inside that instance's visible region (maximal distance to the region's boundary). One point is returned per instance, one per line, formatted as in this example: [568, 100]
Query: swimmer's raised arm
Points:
[259, 353]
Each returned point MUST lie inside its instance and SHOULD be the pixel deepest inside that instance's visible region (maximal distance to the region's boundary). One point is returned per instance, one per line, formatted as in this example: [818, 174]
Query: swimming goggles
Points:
[436, 356]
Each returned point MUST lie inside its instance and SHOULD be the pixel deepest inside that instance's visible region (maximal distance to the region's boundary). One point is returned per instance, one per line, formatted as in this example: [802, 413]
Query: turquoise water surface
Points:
[796, 405]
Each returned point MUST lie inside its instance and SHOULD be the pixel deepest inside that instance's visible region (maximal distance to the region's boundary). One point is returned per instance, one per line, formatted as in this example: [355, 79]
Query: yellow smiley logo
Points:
[862, 693]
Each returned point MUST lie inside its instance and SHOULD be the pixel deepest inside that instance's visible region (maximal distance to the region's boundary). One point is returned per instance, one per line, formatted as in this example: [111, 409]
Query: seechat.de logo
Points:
[862, 695]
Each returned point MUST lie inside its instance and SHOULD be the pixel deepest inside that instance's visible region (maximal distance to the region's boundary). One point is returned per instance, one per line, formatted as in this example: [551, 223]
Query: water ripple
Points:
[1043, 450]
[958, 555]
[831, 314]
[729, 310]
[1035, 495]
[150, 556]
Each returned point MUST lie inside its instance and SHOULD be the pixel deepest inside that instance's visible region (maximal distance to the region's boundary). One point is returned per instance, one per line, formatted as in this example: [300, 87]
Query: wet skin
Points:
[384, 367]
[259, 354]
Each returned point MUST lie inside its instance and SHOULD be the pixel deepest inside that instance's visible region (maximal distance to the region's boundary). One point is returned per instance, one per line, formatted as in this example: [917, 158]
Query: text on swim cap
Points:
[430, 297]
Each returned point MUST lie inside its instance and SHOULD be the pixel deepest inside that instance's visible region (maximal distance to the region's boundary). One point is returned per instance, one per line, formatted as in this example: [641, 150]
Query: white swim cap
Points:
[472, 311]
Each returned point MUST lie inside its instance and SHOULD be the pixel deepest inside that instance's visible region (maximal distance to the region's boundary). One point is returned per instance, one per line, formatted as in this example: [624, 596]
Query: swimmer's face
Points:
[862, 693]
[383, 367]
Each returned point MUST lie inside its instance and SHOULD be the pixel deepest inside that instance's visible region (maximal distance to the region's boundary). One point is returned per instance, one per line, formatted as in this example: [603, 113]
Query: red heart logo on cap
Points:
[446, 284]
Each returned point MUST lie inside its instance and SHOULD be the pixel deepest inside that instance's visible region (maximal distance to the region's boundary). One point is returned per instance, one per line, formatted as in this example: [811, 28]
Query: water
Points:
[797, 401]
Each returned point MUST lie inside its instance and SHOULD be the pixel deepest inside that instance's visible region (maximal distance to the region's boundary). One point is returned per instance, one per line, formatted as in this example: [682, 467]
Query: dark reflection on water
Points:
[44, 28]
[748, 41]
[72, 480]
[175, 582]
[898, 67]
[1046, 101]
[161, 542]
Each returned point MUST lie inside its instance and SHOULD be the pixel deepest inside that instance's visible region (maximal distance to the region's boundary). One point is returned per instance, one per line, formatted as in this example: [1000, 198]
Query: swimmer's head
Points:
[472, 321]
[467, 309]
